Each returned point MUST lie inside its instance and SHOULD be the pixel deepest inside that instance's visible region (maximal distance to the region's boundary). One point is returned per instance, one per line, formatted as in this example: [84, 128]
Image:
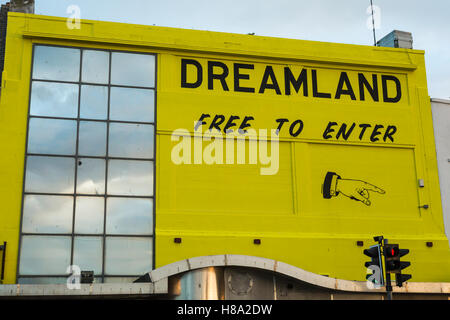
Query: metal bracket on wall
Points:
[3, 249]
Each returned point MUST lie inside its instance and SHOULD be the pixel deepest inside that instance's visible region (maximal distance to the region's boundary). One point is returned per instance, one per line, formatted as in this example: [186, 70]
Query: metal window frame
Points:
[77, 156]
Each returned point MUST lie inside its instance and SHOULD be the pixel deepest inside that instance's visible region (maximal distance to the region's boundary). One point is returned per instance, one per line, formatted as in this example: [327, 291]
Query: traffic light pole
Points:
[388, 286]
[388, 278]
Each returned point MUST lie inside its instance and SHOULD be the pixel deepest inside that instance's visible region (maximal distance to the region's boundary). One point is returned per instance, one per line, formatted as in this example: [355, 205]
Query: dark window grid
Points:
[81, 155]
[102, 235]
[98, 235]
[73, 235]
[106, 171]
[102, 195]
[76, 156]
[79, 97]
[93, 120]
[94, 84]
[76, 161]
[106, 197]
[96, 49]
[93, 49]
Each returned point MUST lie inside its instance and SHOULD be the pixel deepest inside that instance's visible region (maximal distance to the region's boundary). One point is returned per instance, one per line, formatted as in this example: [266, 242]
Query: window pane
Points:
[44, 255]
[94, 102]
[91, 176]
[92, 141]
[55, 63]
[50, 174]
[54, 99]
[95, 66]
[128, 256]
[87, 253]
[47, 214]
[129, 104]
[129, 216]
[128, 177]
[89, 213]
[42, 280]
[52, 136]
[131, 69]
[131, 140]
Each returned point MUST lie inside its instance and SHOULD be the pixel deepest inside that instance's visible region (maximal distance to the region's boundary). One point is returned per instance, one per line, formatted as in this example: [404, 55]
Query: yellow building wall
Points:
[221, 208]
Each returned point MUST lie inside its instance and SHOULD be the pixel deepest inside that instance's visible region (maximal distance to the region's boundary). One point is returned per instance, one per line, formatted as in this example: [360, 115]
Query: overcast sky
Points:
[342, 21]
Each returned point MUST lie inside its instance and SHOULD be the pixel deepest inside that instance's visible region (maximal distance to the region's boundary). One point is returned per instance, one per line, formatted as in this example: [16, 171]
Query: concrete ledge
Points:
[444, 101]
[285, 269]
[95, 289]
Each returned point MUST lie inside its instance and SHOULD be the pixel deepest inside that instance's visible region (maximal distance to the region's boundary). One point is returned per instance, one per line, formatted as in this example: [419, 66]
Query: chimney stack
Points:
[24, 6]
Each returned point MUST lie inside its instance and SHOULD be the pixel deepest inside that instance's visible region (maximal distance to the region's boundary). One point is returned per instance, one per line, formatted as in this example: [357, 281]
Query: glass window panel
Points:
[47, 214]
[44, 255]
[92, 140]
[91, 176]
[94, 102]
[128, 256]
[129, 216]
[87, 253]
[89, 214]
[50, 174]
[95, 66]
[52, 136]
[98, 280]
[128, 177]
[54, 99]
[42, 280]
[56, 63]
[132, 69]
[131, 140]
[128, 104]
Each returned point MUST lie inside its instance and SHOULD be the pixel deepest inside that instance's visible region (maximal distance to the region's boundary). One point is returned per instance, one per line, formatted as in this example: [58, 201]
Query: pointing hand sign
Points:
[354, 189]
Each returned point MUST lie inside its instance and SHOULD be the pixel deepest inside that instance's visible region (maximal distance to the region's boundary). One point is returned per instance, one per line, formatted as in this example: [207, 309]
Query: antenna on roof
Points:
[373, 25]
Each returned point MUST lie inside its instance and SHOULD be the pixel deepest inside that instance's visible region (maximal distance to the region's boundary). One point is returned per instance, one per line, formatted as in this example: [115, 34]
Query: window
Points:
[89, 174]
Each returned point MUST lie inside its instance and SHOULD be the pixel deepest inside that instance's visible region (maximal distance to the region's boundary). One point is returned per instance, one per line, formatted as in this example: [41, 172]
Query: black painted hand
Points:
[357, 190]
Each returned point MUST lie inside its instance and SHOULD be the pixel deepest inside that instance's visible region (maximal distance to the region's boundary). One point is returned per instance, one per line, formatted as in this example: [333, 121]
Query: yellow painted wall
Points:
[221, 208]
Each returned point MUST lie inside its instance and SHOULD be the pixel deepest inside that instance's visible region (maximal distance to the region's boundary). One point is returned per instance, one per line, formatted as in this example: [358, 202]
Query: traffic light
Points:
[400, 278]
[376, 265]
[392, 255]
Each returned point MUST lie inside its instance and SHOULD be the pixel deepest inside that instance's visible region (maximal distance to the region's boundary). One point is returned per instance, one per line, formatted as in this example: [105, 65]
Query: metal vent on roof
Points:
[397, 39]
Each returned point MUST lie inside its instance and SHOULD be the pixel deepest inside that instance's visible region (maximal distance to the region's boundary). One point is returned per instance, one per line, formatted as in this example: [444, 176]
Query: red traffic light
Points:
[391, 252]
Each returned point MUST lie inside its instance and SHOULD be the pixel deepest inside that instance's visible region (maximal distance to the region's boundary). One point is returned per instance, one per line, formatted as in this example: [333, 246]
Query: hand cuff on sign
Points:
[329, 188]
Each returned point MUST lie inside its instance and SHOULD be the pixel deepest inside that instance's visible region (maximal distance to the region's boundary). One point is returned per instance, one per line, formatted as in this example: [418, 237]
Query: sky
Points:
[319, 20]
